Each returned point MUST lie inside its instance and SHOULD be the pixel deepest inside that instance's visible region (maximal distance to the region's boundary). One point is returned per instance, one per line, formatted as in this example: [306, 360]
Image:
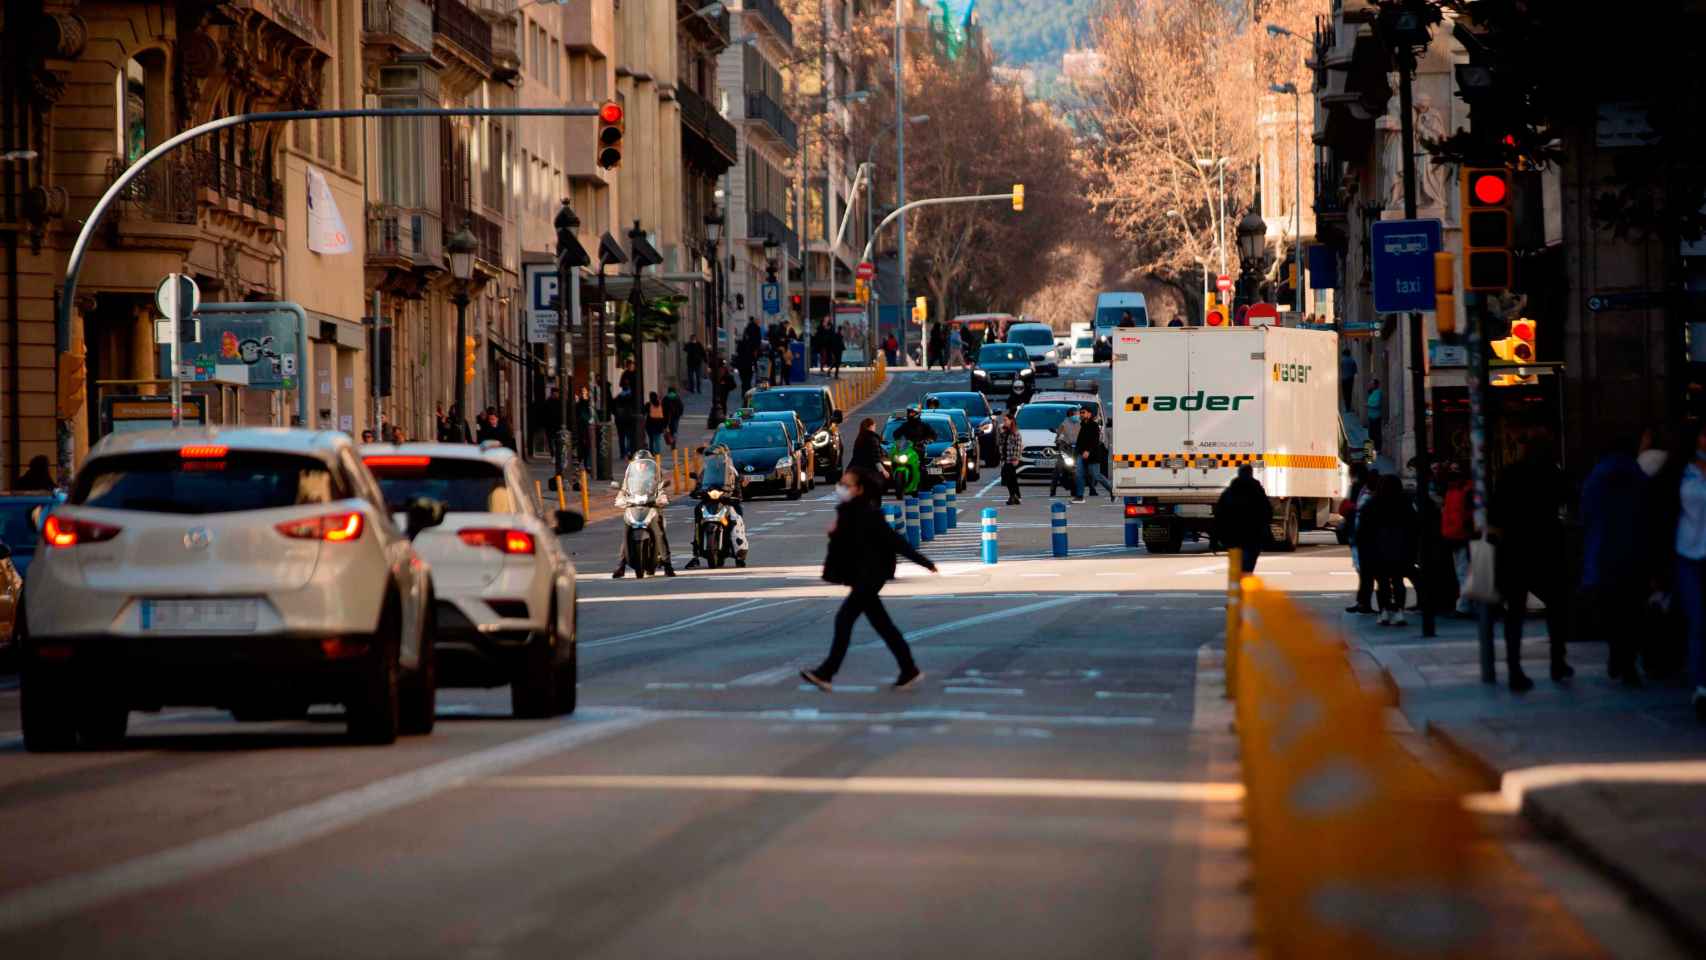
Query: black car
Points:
[944, 458]
[816, 409]
[1004, 369]
[763, 456]
[977, 409]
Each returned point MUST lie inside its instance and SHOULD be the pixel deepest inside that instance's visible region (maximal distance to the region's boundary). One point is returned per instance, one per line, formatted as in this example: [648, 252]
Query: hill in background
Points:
[1034, 32]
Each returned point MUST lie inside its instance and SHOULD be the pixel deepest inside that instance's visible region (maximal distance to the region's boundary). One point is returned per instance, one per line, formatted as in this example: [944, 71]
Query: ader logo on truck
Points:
[1188, 402]
[1291, 372]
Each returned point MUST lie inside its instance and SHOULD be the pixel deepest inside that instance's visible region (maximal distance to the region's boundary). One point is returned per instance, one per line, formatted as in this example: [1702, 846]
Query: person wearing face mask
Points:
[862, 552]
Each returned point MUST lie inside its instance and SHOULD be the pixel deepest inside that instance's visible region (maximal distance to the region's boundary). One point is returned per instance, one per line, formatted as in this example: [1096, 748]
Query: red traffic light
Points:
[1490, 188]
[610, 113]
[1523, 329]
[794, 300]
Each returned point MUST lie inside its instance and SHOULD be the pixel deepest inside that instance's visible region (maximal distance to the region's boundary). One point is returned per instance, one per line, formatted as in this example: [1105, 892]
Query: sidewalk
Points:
[694, 434]
[1638, 813]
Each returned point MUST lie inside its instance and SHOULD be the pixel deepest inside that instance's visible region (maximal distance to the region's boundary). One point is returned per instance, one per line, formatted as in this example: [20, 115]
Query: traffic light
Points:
[1445, 297]
[1518, 348]
[1486, 228]
[468, 358]
[920, 310]
[861, 291]
[1018, 196]
[570, 253]
[72, 385]
[1217, 316]
[610, 117]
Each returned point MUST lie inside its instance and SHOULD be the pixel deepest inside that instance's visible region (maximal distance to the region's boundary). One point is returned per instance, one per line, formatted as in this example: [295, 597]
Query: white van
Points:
[1083, 348]
[1120, 310]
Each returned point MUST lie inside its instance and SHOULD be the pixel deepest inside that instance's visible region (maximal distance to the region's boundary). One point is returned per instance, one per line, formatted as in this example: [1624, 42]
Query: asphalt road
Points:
[1063, 783]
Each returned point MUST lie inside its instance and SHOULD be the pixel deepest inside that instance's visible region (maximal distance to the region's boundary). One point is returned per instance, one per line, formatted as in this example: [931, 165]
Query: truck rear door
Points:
[1152, 372]
[1225, 404]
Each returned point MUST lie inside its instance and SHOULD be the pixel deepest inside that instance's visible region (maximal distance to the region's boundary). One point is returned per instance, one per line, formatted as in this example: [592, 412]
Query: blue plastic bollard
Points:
[891, 514]
[912, 521]
[1057, 527]
[953, 510]
[926, 516]
[1133, 523]
[939, 508]
[989, 535]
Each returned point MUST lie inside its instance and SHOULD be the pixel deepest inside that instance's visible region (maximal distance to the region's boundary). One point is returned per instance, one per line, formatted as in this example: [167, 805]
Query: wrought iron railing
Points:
[164, 192]
[772, 14]
[704, 119]
[763, 223]
[414, 235]
[1329, 201]
[455, 22]
[760, 107]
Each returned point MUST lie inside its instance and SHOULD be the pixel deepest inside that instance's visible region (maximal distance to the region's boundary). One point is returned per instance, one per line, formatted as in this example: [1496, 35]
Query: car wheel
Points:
[568, 676]
[374, 712]
[102, 723]
[533, 693]
[794, 492]
[49, 714]
[420, 688]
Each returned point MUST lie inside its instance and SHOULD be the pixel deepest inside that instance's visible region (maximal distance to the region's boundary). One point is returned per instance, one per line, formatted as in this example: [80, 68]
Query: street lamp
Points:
[461, 252]
[1297, 177]
[1209, 163]
[713, 238]
[1252, 241]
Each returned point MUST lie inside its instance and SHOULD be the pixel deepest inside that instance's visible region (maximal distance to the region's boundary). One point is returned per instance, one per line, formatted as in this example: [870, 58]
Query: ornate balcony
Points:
[773, 121]
[761, 224]
[771, 15]
[405, 239]
[231, 180]
[404, 24]
[712, 143]
[162, 193]
[463, 38]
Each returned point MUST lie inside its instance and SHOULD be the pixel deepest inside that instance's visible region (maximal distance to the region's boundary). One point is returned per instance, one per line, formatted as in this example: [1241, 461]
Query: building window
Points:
[556, 54]
[492, 178]
[817, 219]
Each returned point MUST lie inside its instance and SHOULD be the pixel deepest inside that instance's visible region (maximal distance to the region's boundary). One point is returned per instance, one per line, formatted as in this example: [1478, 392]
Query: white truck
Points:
[1192, 404]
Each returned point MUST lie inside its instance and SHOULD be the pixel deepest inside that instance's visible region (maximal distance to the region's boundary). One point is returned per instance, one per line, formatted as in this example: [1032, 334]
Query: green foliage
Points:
[657, 323]
[1027, 32]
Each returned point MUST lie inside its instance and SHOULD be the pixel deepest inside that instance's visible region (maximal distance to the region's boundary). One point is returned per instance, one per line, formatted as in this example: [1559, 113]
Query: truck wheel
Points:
[1286, 542]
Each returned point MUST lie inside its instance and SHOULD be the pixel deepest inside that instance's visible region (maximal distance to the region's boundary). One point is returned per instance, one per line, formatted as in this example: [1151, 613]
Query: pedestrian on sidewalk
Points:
[695, 354]
[837, 347]
[862, 552]
[1613, 498]
[673, 410]
[1457, 528]
[1012, 452]
[891, 350]
[1386, 536]
[1065, 444]
[723, 386]
[1089, 450]
[1679, 493]
[1243, 516]
[622, 405]
[956, 348]
[1373, 410]
[454, 427]
[937, 354]
[1347, 378]
[1364, 479]
[656, 422]
[1524, 521]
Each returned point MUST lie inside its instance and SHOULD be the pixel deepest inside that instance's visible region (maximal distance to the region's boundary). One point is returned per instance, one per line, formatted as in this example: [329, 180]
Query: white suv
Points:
[505, 586]
[253, 569]
[1038, 341]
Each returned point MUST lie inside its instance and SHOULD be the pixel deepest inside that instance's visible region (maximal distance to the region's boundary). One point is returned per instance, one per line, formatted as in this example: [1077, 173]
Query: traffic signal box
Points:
[1445, 297]
[1018, 196]
[468, 358]
[1487, 228]
[861, 291]
[1518, 349]
[920, 311]
[610, 128]
[1215, 314]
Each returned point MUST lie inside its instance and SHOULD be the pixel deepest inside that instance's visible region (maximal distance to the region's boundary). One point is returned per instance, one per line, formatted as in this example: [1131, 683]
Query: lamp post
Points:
[1209, 163]
[1252, 241]
[461, 249]
[1297, 186]
[571, 256]
[713, 239]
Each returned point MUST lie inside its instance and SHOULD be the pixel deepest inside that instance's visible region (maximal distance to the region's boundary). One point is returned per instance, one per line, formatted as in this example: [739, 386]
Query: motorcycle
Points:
[907, 468]
[720, 533]
[641, 498]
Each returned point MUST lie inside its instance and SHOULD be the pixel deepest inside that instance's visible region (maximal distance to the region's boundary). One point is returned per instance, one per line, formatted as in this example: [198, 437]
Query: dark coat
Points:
[867, 451]
[863, 547]
[1612, 509]
[1387, 533]
[1525, 510]
[1243, 513]
[1089, 445]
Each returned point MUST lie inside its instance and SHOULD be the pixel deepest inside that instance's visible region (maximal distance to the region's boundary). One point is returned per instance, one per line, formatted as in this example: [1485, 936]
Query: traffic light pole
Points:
[1418, 365]
[901, 210]
[1475, 341]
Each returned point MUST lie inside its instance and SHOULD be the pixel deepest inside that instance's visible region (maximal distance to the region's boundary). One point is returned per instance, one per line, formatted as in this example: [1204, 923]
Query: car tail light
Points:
[388, 460]
[1140, 510]
[332, 527]
[63, 532]
[202, 451]
[499, 539]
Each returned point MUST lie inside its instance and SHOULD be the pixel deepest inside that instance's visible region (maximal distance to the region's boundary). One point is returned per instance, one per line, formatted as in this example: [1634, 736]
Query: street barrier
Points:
[912, 521]
[1057, 527]
[539, 495]
[989, 535]
[1134, 527]
[1357, 850]
[891, 515]
[586, 494]
[939, 506]
[953, 510]
[926, 515]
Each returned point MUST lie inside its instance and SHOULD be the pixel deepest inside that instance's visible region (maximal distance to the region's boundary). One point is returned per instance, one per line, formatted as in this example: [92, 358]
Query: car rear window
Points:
[1031, 336]
[169, 482]
[463, 486]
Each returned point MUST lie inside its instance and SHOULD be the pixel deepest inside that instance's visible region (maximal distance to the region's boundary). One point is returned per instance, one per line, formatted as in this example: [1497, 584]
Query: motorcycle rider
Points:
[655, 498]
[719, 474]
[1065, 464]
[916, 433]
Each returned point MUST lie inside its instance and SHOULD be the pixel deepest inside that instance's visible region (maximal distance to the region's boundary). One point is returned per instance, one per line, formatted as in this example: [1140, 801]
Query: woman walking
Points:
[656, 422]
[1012, 452]
[862, 551]
[867, 448]
[1386, 537]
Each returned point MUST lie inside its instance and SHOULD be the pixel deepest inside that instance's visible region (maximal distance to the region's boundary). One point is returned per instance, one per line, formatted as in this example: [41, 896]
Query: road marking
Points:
[992, 691]
[1130, 695]
[71, 894]
[747, 606]
[765, 678]
[685, 686]
[1119, 573]
[1130, 790]
[990, 486]
[1211, 710]
[843, 688]
[1029, 575]
[981, 619]
[1202, 571]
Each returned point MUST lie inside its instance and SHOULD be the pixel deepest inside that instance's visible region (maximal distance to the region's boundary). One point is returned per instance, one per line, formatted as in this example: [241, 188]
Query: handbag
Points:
[1482, 585]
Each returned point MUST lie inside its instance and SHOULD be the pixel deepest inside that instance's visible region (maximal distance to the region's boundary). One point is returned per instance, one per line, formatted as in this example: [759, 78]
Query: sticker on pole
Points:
[1404, 264]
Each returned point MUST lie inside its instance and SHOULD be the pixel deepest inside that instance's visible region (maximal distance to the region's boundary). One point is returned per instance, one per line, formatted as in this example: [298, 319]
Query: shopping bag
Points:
[1483, 585]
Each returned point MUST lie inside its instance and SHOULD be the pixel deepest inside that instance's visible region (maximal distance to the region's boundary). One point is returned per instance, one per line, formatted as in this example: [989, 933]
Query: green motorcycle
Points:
[906, 468]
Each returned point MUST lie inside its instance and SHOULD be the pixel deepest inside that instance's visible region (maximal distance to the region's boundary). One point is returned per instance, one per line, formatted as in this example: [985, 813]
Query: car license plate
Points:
[211, 616]
[1003, 377]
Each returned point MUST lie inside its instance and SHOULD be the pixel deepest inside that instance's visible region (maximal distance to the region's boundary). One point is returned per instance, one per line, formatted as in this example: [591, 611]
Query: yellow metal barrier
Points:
[586, 493]
[1357, 851]
[539, 495]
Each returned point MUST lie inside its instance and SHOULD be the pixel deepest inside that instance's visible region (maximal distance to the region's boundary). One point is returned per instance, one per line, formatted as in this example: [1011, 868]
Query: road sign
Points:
[1404, 264]
[173, 292]
[1223, 283]
[1262, 314]
[866, 270]
[1628, 300]
[771, 294]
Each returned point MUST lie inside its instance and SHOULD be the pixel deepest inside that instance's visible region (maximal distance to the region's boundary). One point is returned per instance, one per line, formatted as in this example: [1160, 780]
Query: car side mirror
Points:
[835, 417]
[422, 514]
[568, 521]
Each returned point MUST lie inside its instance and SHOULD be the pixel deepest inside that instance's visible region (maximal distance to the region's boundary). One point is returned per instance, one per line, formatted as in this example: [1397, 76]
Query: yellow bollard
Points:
[586, 493]
[562, 498]
[539, 495]
[1234, 573]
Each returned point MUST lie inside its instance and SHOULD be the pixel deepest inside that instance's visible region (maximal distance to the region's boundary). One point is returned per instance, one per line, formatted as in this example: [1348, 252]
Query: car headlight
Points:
[1066, 458]
[784, 463]
[945, 459]
[820, 438]
[980, 372]
[903, 458]
[1026, 372]
[714, 494]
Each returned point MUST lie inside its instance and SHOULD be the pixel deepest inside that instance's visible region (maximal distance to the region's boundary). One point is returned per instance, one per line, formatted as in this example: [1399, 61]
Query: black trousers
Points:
[1618, 614]
[1010, 480]
[1519, 577]
[866, 602]
[1249, 554]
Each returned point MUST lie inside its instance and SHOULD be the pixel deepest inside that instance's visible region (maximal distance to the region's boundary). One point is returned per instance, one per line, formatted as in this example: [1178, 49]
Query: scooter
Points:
[641, 498]
[721, 533]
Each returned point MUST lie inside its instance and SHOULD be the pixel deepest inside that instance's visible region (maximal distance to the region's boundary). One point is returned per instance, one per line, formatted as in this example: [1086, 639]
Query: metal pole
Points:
[459, 399]
[1475, 315]
[900, 155]
[373, 367]
[565, 311]
[1418, 371]
[635, 303]
[1297, 197]
[178, 323]
[901, 210]
[1220, 233]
